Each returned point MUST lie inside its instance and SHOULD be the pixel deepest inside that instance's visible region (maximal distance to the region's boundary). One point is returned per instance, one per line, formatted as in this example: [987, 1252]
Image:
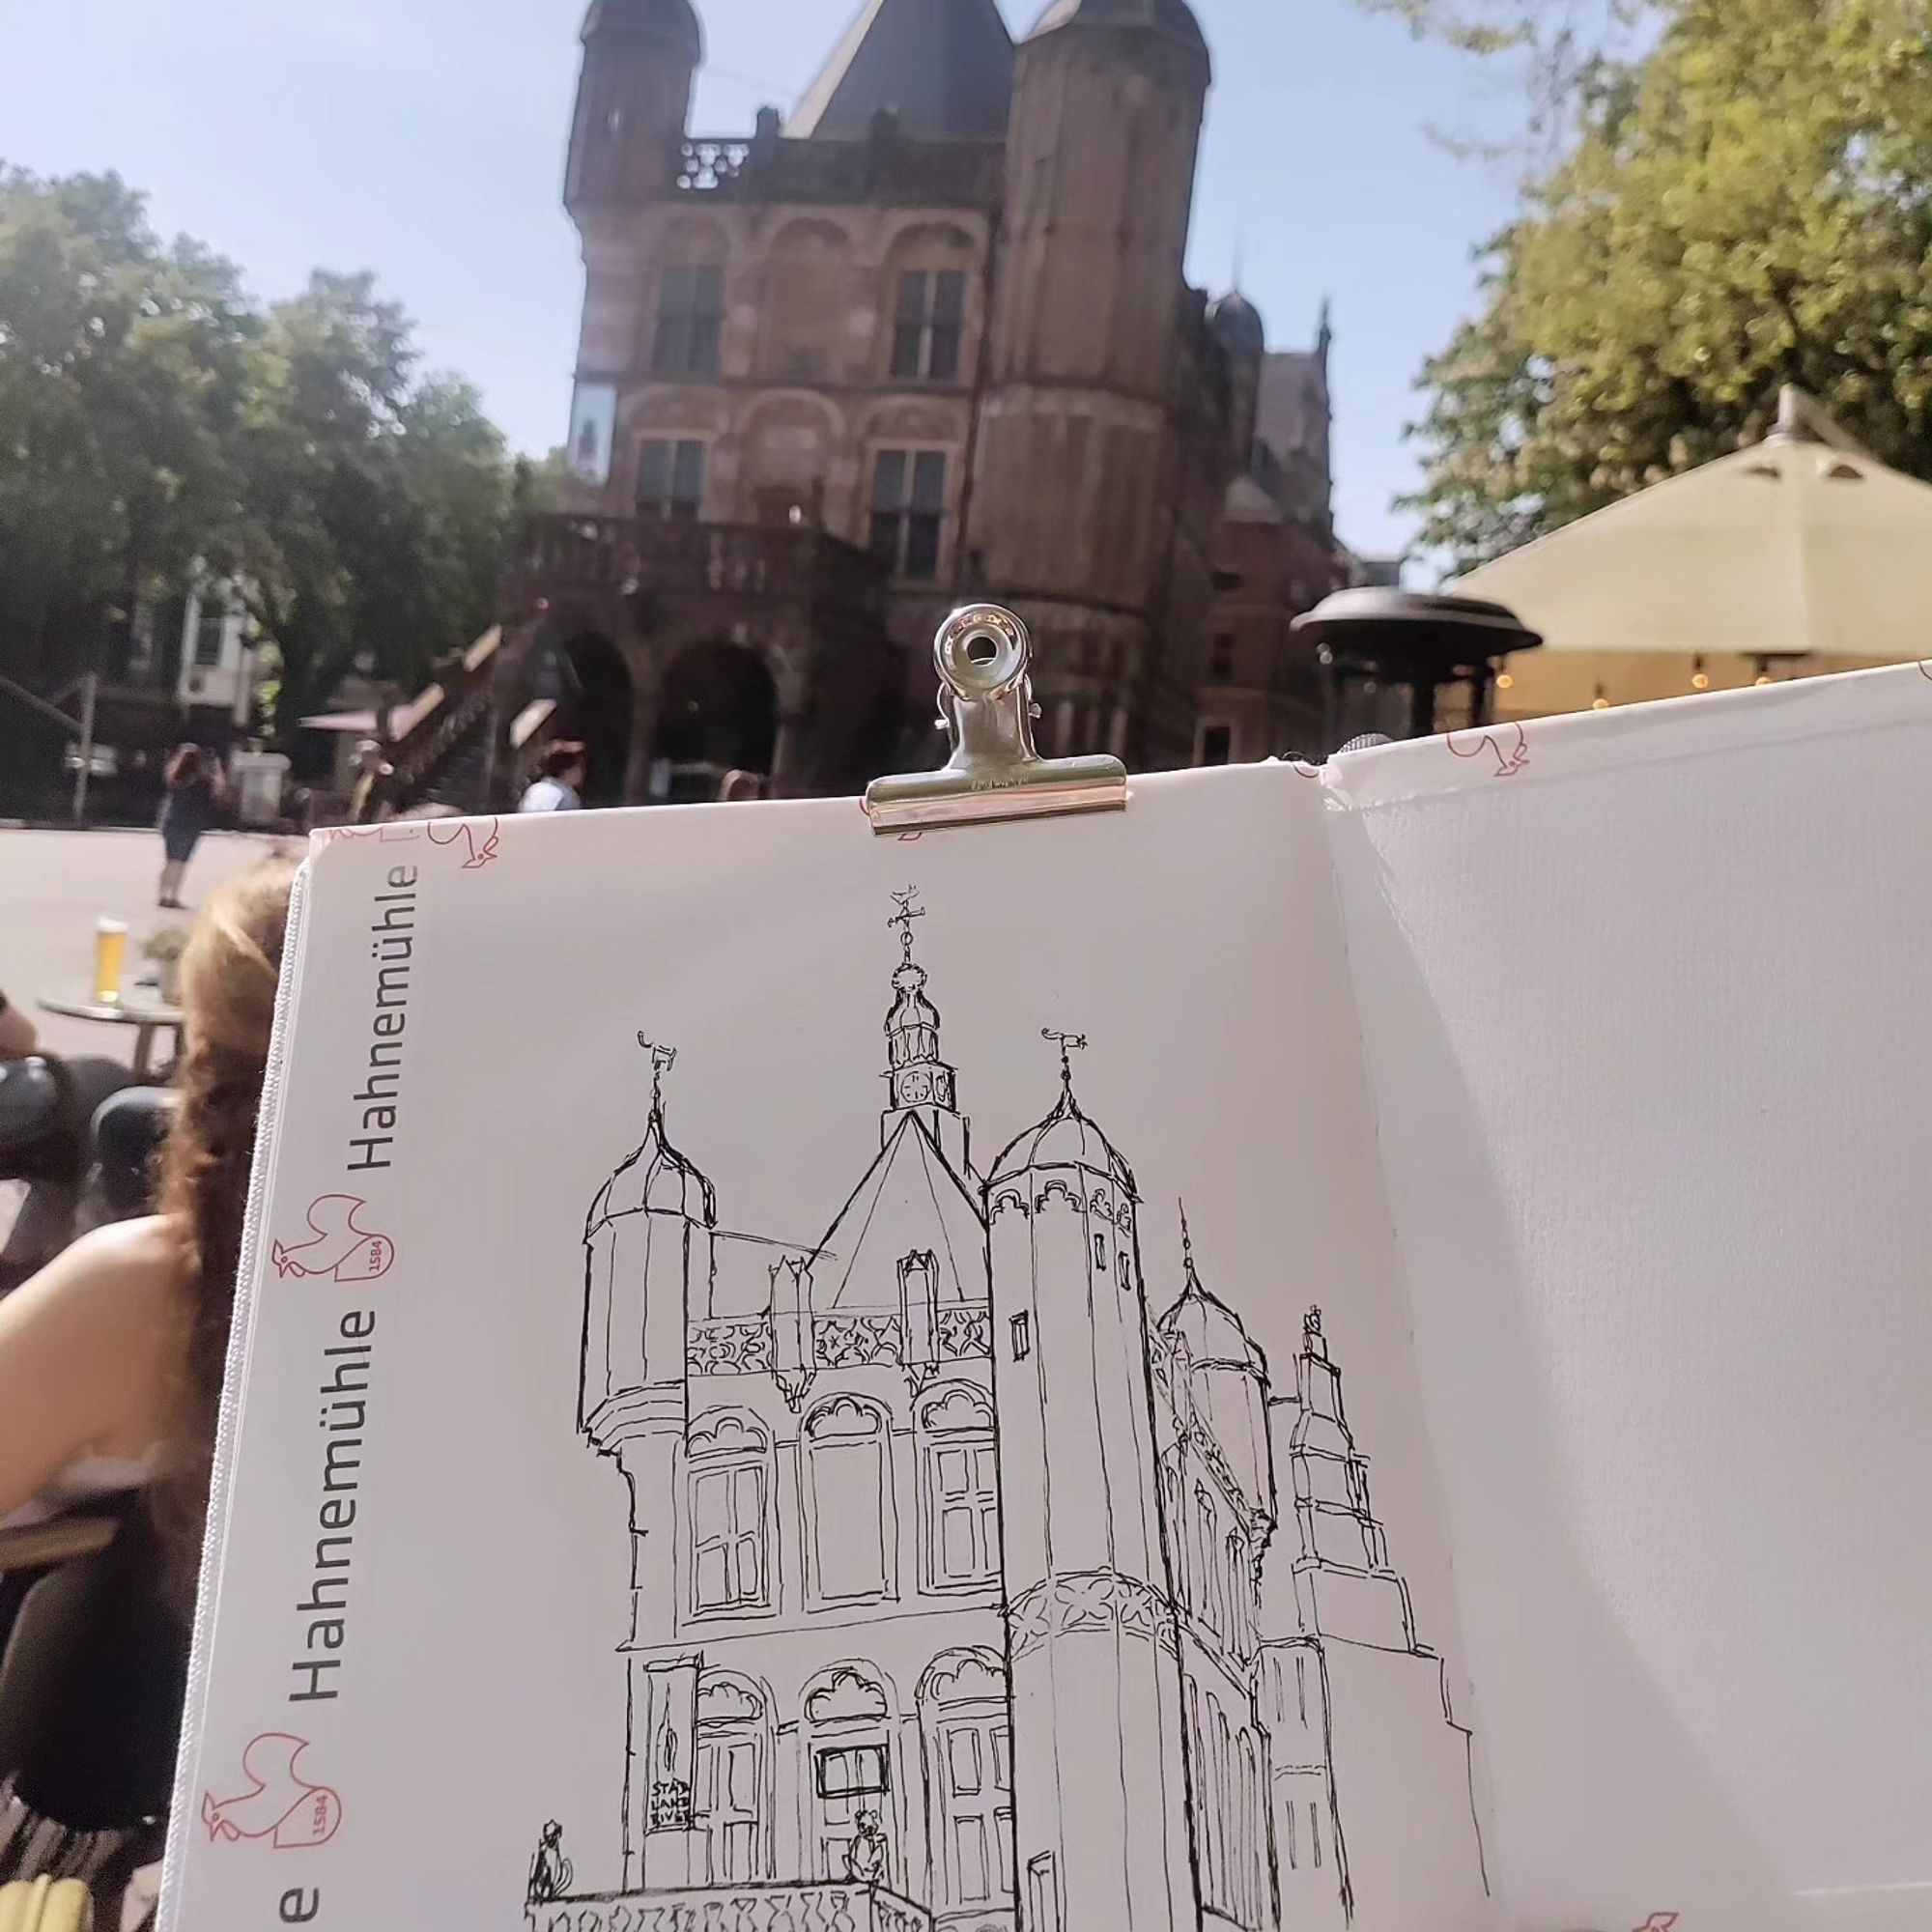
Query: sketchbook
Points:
[1340, 1349]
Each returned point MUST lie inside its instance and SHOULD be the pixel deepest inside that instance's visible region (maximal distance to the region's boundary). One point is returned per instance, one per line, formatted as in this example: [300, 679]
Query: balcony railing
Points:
[678, 560]
[891, 169]
[735, 1907]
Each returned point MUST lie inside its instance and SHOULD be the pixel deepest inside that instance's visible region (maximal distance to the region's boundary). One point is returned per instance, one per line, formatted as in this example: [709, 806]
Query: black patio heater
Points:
[1405, 664]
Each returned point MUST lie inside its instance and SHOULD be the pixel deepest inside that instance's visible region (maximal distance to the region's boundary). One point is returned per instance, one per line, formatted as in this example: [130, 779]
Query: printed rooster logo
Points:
[1509, 761]
[280, 1805]
[1658, 1922]
[478, 835]
[336, 1246]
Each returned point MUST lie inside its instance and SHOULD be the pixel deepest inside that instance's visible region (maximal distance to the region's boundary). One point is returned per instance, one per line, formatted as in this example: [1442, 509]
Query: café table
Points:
[149, 1014]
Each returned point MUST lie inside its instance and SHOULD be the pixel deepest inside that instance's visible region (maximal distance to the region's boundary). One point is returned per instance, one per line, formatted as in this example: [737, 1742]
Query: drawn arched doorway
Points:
[719, 714]
[595, 708]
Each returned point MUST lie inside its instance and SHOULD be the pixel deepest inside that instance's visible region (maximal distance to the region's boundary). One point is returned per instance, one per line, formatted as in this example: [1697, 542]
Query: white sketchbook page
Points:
[1644, 998]
[483, 1690]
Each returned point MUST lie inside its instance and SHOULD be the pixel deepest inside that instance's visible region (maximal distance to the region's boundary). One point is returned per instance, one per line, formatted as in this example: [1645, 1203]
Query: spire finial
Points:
[1069, 1044]
[663, 1060]
[908, 910]
[1193, 1285]
[1311, 1332]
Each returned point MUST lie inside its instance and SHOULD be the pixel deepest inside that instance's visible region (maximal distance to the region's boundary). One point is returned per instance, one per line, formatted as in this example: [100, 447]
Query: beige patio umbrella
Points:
[1802, 554]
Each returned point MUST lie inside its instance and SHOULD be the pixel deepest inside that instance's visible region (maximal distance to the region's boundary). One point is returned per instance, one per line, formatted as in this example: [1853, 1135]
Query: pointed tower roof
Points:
[656, 1178]
[1173, 18]
[943, 67]
[1212, 1330]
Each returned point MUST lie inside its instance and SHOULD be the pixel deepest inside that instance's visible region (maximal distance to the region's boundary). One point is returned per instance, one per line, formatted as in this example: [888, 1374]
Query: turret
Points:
[1235, 323]
[633, 95]
[1074, 485]
[1100, 1779]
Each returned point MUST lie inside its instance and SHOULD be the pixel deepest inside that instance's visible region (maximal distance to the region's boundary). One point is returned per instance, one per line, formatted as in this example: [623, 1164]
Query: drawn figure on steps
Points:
[963, 1574]
[550, 1872]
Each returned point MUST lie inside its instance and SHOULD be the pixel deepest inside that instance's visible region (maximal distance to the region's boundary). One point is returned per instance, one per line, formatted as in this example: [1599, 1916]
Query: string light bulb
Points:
[1763, 677]
[1701, 678]
[1599, 702]
[1505, 682]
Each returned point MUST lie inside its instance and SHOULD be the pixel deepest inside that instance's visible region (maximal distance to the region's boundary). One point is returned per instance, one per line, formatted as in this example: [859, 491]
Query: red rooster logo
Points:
[479, 835]
[336, 1246]
[1508, 763]
[1658, 1922]
[279, 1806]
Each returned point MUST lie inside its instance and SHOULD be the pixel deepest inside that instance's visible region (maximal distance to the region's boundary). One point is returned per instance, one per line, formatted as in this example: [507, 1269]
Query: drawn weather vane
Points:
[909, 909]
[663, 1060]
[1068, 1043]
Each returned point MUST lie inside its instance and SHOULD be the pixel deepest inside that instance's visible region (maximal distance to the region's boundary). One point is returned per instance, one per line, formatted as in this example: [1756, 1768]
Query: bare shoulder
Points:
[128, 1274]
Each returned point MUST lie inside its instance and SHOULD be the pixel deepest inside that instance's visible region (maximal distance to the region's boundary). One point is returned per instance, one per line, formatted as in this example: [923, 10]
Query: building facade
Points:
[971, 1592]
[931, 339]
[1276, 555]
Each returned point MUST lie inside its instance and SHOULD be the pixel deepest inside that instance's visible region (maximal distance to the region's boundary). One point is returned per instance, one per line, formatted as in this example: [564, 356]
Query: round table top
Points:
[140, 1008]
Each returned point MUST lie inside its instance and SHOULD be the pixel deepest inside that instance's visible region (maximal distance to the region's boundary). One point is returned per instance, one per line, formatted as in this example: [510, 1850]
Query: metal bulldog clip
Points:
[985, 703]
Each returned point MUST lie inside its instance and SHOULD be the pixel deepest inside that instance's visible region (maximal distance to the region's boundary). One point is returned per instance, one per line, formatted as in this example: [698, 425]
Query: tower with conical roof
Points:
[1100, 1783]
[648, 1244]
[1083, 441]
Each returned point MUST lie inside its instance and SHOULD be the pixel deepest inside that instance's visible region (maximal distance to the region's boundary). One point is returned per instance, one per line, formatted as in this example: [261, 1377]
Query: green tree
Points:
[1746, 205]
[371, 506]
[121, 362]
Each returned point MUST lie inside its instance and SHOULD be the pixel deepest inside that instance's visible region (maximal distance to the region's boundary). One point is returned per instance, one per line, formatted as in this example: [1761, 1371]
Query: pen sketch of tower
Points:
[967, 1595]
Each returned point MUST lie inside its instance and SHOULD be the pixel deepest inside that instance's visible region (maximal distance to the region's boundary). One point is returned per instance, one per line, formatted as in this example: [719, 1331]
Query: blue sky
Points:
[424, 139]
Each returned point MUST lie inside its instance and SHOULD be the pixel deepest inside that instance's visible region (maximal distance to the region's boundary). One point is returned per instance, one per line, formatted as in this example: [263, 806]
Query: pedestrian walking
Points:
[191, 806]
[559, 782]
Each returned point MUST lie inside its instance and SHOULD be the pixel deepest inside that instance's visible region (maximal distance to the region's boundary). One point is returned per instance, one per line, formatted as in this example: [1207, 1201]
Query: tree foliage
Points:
[1748, 204]
[152, 418]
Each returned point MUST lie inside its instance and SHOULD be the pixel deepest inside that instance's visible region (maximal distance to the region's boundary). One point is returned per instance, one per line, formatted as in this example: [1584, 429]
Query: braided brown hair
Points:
[229, 973]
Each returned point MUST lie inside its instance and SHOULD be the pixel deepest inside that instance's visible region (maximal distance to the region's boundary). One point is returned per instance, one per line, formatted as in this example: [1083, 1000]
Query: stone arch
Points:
[717, 713]
[793, 452]
[849, 1738]
[734, 1787]
[965, 1727]
[592, 689]
[807, 300]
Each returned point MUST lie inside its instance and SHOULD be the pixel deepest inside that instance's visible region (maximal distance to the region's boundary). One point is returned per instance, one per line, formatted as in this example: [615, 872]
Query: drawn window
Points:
[925, 324]
[1227, 1839]
[727, 1799]
[1208, 1581]
[960, 1490]
[908, 510]
[690, 315]
[1100, 1253]
[1315, 1834]
[1254, 1834]
[670, 477]
[850, 1766]
[849, 1510]
[1237, 1592]
[729, 1484]
[1022, 1328]
[1121, 1268]
[1042, 1894]
[1293, 1851]
[1301, 1688]
[1175, 1515]
[919, 1304]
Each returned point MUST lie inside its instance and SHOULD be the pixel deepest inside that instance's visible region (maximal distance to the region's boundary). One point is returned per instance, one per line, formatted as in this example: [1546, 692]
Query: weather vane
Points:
[909, 909]
[663, 1060]
[1068, 1043]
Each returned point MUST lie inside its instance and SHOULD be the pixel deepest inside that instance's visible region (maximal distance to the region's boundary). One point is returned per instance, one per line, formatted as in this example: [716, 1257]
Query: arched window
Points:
[728, 1477]
[729, 1798]
[959, 1490]
[968, 1779]
[850, 1532]
[1254, 1864]
[848, 1741]
[1227, 1808]
[1207, 1828]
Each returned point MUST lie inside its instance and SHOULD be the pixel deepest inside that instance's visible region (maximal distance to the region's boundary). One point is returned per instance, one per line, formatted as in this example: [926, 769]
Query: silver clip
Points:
[985, 703]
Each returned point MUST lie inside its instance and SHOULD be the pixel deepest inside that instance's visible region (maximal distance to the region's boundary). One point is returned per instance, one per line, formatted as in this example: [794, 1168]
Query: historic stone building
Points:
[969, 1592]
[929, 339]
[1276, 556]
